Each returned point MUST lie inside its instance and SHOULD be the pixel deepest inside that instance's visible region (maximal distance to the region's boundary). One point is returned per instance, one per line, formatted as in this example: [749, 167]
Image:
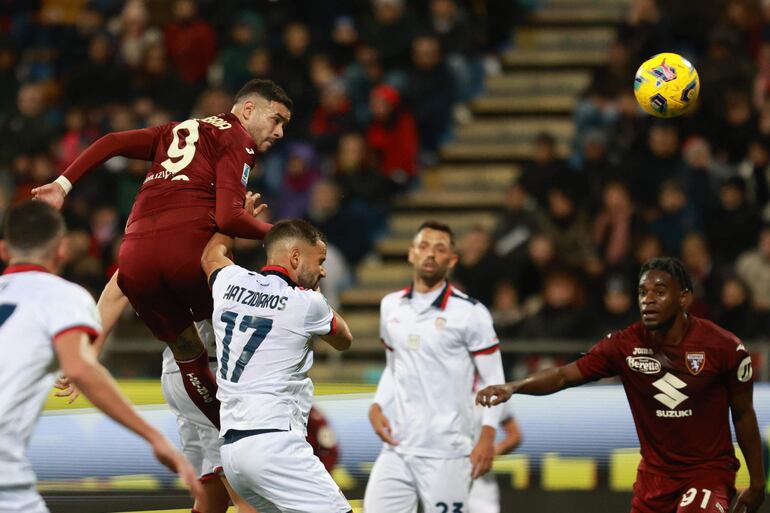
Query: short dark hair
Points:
[32, 225]
[267, 89]
[674, 267]
[293, 229]
[439, 226]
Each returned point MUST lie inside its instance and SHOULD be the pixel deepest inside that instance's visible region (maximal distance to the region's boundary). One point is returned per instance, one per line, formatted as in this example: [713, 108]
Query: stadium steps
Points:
[471, 177]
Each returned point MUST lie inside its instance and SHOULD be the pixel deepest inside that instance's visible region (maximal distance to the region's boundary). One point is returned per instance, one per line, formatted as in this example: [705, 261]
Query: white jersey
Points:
[35, 307]
[263, 324]
[430, 358]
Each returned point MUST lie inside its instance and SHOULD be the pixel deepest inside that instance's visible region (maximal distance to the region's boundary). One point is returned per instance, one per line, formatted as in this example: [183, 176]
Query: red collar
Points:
[23, 268]
[281, 271]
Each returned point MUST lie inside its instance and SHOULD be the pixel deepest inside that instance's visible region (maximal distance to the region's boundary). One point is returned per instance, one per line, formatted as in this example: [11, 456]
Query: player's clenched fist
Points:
[495, 394]
[52, 193]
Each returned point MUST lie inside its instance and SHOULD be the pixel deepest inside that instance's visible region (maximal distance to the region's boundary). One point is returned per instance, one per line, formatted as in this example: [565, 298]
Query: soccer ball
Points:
[667, 85]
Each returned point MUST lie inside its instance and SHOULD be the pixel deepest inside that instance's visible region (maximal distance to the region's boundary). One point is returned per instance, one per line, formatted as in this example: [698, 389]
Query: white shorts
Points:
[485, 495]
[200, 439]
[398, 481]
[22, 500]
[277, 472]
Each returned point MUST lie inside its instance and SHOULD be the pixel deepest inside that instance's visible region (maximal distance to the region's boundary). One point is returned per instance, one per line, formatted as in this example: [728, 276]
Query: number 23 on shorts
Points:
[457, 507]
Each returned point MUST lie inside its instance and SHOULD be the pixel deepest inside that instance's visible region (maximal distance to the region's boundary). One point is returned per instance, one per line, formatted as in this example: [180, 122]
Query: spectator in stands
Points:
[732, 137]
[246, 34]
[333, 117]
[544, 169]
[517, 223]
[478, 268]
[345, 39]
[563, 314]
[293, 75]
[9, 82]
[430, 93]
[135, 35]
[342, 229]
[753, 267]
[260, 63]
[527, 275]
[594, 164]
[76, 137]
[648, 168]
[191, 43]
[702, 173]
[755, 170]
[452, 26]
[567, 225]
[392, 136]
[27, 130]
[615, 225]
[618, 306]
[96, 80]
[363, 76]
[506, 310]
[301, 172]
[364, 190]
[732, 226]
[735, 312]
[157, 81]
[706, 276]
[389, 30]
[676, 217]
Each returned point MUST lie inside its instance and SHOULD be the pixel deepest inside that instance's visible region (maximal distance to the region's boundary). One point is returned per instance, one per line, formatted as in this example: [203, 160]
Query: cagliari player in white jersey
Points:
[436, 340]
[45, 319]
[264, 322]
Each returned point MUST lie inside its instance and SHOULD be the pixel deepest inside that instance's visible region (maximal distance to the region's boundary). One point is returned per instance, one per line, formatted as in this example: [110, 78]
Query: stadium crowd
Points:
[377, 86]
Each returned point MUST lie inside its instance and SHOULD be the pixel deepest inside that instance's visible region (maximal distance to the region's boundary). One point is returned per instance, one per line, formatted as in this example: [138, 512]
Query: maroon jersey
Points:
[679, 395]
[193, 159]
[197, 179]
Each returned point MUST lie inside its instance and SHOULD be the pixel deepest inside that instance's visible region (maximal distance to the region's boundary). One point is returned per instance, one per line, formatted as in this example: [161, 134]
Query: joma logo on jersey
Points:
[670, 385]
[643, 364]
[643, 351]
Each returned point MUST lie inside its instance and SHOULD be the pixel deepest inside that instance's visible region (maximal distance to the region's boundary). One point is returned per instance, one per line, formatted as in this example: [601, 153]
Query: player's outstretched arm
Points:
[750, 442]
[134, 144]
[543, 382]
[79, 363]
[111, 304]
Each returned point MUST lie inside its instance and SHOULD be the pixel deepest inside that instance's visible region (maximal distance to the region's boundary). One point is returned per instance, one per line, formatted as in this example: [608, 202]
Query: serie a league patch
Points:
[245, 176]
[695, 362]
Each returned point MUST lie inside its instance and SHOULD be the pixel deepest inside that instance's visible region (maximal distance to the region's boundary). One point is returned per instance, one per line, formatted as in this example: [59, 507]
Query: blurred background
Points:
[512, 120]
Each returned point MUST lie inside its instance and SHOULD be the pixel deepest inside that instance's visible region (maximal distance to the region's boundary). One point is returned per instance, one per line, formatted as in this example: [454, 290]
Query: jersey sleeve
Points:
[480, 335]
[232, 173]
[222, 277]
[76, 311]
[740, 373]
[601, 360]
[319, 319]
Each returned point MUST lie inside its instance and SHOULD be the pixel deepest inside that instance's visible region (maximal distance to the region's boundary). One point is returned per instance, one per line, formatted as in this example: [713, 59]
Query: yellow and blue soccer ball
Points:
[666, 85]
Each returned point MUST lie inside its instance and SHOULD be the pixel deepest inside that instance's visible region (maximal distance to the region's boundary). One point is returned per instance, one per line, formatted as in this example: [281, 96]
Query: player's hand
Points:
[250, 205]
[483, 453]
[51, 193]
[495, 394]
[750, 499]
[176, 462]
[67, 389]
[381, 424]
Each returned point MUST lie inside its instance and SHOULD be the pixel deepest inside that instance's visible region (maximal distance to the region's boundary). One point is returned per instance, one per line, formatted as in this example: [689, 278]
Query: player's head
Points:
[264, 109]
[432, 253]
[299, 247]
[664, 290]
[33, 232]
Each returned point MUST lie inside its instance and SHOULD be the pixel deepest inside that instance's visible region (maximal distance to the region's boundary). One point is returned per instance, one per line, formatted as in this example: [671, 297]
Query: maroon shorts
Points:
[706, 491]
[161, 276]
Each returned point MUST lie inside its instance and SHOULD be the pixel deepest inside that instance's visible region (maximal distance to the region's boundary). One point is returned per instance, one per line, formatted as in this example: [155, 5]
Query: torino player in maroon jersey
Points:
[682, 376]
[195, 186]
